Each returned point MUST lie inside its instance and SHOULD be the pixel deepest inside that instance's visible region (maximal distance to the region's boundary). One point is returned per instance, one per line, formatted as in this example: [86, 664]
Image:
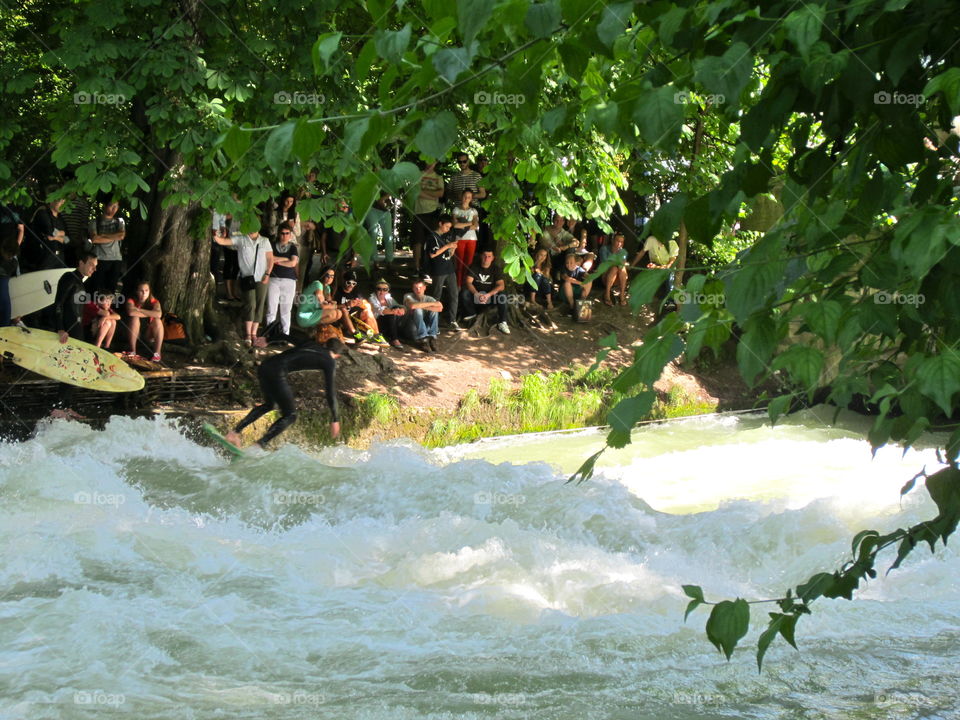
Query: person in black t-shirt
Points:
[484, 289]
[47, 238]
[440, 249]
[283, 278]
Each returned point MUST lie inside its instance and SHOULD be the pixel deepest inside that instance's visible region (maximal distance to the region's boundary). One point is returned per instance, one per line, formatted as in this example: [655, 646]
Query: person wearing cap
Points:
[388, 312]
[359, 314]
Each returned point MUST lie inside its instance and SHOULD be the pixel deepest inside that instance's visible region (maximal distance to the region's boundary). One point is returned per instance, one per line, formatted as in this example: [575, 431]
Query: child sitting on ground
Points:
[102, 319]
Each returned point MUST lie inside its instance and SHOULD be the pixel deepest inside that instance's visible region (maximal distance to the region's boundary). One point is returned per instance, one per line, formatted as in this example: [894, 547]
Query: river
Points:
[147, 576]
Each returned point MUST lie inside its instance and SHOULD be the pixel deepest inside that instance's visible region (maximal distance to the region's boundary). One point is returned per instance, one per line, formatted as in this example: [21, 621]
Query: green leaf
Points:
[803, 27]
[472, 15]
[450, 62]
[363, 195]
[392, 44]
[728, 623]
[323, 49]
[767, 636]
[756, 347]
[693, 591]
[626, 414]
[939, 378]
[815, 587]
[543, 19]
[437, 135]
[644, 286]
[947, 83]
[654, 354]
[824, 318]
[236, 143]
[613, 22]
[659, 117]
[804, 363]
[726, 75]
[944, 489]
[779, 406]
[748, 289]
[278, 146]
[307, 139]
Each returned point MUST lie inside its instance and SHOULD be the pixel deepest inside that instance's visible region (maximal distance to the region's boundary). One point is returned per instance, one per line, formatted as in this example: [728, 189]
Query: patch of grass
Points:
[679, 403]
[379, 407]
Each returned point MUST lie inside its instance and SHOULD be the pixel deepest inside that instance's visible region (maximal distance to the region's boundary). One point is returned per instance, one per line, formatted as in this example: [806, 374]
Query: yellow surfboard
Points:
[74, 362]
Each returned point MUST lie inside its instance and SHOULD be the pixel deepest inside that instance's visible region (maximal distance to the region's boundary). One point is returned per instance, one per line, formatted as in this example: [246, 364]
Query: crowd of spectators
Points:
[270, 271]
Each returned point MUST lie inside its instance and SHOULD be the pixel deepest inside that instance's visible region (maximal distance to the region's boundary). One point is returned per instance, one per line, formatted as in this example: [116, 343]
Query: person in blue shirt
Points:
[617, 275]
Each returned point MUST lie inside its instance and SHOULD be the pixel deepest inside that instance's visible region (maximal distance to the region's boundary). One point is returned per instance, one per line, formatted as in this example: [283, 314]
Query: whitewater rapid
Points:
[147, 576]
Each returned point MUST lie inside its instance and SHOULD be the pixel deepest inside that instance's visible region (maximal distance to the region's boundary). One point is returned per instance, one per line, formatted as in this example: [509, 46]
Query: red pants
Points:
[464, 258]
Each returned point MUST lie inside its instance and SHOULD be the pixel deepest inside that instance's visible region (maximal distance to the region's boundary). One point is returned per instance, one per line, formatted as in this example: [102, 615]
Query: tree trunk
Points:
[180, 264]
[682, 257]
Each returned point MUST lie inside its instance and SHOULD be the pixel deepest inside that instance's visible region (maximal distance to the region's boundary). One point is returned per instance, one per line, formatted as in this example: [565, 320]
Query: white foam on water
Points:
[147, 575]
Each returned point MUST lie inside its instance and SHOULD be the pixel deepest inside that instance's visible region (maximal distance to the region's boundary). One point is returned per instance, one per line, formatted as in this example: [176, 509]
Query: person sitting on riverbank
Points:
[616, 276]
[573, 281]
[317, 305]
[484, 290]
[144, 308]
[359, 313]
[422, 320]
[542, 291]
[101, 318]
[388, 312]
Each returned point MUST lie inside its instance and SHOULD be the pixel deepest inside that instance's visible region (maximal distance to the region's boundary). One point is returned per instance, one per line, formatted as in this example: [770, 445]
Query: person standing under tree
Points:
[466, 220]
[283, 279]
[106, 232]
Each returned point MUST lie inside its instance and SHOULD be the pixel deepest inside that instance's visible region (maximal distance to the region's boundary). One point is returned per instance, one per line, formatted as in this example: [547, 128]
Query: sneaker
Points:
[156, 357]
[380, 340]
[370, 334]
[424, 345]
[502, 327]
[397, 344]
[455, 326]
[359, 337]
[432, 341]
[469, 318]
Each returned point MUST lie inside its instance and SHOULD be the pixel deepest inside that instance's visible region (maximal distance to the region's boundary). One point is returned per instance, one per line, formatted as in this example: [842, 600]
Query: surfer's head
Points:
[86, 263]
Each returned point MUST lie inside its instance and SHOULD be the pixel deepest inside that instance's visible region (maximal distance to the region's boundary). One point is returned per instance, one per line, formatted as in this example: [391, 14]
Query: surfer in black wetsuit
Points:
[68, 320]
[277, 393]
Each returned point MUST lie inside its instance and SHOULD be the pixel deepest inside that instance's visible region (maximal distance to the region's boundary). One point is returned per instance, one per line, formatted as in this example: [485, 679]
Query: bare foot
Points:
[233, 438]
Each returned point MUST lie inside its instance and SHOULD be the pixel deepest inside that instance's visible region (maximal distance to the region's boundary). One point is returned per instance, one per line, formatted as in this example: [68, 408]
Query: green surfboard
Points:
[215, 434]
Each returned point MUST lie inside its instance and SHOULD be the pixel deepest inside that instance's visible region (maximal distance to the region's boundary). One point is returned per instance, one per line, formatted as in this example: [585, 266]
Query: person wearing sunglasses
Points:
[317, 306]
[283, 278]
[388, 312]
[358, 311]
